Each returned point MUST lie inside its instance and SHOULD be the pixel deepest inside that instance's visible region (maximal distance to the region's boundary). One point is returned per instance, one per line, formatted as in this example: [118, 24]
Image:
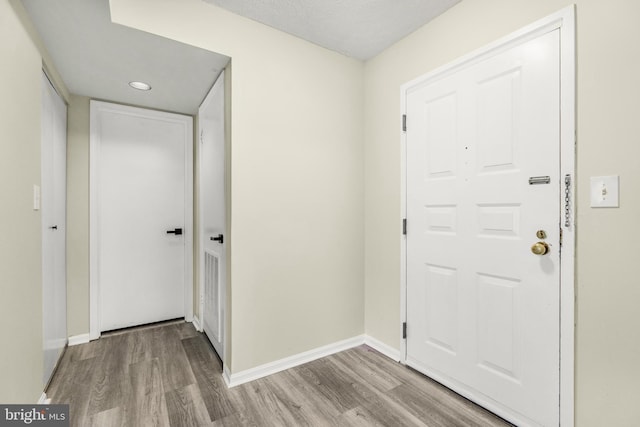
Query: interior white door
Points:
[213, 215]
[482, 180]
[141, 213]
[53, 205]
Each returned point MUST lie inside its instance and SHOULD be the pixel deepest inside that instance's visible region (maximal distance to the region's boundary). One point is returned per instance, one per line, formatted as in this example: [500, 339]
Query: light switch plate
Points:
[605, 191]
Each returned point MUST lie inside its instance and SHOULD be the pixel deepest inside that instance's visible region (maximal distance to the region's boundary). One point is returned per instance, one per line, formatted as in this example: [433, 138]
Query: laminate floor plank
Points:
[258, 401]
[89, 350]
[110, 379]
[206, 369]
[299, 411]
[109, 418]
[360, 417]
[73, 386]
[186, 408]
[174, 364]
[438, 409]
[146, 378]
[313, 406]
[139, 346]
[236, 420]
[367, 370]
[169, 375]
[334, 387]
[428, 409]
[147, 411]
[377, 404]
[186, 330]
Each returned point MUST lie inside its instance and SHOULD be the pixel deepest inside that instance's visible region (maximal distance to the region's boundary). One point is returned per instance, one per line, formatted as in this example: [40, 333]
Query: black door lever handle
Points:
[219, 239]
[177, 231]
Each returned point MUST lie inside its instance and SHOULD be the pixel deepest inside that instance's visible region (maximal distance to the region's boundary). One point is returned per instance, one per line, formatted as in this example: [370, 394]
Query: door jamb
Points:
[564, 20]
[94, 162]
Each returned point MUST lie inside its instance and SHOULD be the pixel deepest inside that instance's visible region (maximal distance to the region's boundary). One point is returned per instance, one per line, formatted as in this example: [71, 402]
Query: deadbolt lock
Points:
[541, 234]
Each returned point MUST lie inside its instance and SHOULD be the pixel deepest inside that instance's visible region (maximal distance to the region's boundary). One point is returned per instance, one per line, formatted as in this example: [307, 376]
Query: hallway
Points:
[168, 374]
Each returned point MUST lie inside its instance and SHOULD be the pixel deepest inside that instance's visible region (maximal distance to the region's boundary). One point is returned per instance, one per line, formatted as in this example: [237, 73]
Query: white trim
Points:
[564, 20]
[226, 375]
[94, 157]
[567, 261]
[94, 162]
[79, 339]
[403, 240]
[232, 380]
[261, 371]
[197, 324]
[44, 400]
[383, 348]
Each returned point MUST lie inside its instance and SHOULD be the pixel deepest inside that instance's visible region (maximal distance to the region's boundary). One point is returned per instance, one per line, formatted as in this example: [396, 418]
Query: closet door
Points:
[213, 241]
[53, 205]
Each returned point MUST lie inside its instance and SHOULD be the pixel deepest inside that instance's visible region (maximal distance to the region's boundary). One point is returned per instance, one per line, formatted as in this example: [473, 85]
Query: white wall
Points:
[608, 59]
[296, 176]
[21, 357]
[20, 246]
[78, 216]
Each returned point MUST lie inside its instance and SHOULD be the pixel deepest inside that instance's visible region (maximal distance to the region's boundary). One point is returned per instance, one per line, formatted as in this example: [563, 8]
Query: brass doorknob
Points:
[540, 248]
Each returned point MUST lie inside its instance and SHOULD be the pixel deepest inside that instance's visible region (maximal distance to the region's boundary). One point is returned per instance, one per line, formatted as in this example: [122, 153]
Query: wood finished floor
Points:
[168, 375]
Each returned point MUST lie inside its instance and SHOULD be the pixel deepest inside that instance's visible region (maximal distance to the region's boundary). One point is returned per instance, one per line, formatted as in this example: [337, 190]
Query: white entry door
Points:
[140, 214]
[53, 202]
[213, 215]
[483, 186]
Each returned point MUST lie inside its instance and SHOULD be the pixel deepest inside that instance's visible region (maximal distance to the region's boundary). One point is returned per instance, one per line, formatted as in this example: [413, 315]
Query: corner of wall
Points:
[20, 247]
[78, 215]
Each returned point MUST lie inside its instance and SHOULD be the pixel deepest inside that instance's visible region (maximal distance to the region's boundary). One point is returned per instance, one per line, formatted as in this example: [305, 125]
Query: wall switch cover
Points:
[605, 191]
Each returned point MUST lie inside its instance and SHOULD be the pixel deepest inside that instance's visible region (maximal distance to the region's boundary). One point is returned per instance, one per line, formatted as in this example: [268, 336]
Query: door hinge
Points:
[404, 122]
[560, 236]
[201, 136]
[404, 330]
[404, 226]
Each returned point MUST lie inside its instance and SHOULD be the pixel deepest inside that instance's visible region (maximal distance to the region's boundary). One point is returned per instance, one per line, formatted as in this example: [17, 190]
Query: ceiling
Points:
[97, 58]
[357, 28]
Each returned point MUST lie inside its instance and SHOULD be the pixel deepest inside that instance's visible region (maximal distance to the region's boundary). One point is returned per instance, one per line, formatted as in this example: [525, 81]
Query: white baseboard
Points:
[78, 339]
[242, 377]
[267, 369]
[383, 348]
[43, 399]
[196, 324]
[226, 375]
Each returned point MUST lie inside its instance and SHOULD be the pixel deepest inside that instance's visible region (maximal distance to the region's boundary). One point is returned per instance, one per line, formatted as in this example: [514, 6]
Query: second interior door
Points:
[213, 215]
[140, 215]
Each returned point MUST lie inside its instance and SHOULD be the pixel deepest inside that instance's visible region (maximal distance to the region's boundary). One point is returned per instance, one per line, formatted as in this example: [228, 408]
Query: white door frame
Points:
[94, 200]
[564, 20]
[223, 293]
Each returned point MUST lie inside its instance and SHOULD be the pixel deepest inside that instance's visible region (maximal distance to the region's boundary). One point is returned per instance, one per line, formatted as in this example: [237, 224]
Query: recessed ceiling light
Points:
[140, 85]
